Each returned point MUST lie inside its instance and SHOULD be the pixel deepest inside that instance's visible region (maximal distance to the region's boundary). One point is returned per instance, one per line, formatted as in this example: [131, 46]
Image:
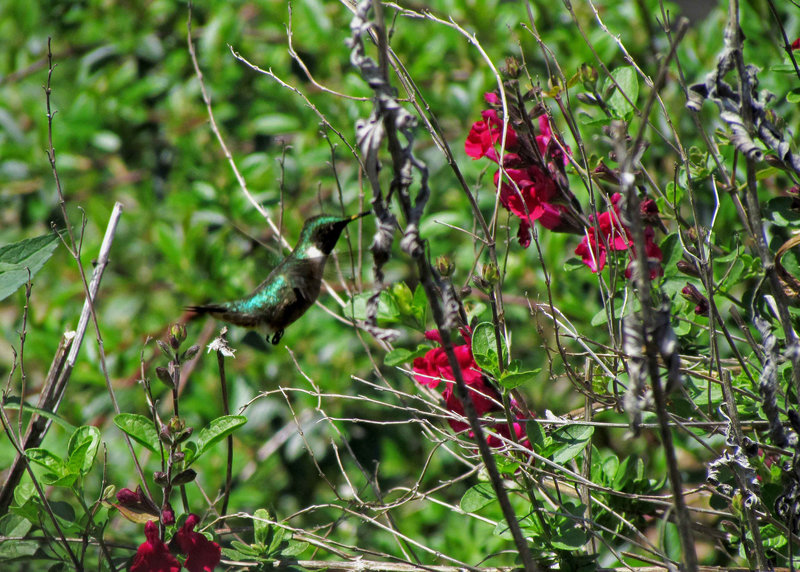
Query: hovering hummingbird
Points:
[292, 287]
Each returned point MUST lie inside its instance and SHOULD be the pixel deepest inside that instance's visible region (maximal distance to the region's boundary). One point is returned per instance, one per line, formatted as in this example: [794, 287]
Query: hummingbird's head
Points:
[323, 231]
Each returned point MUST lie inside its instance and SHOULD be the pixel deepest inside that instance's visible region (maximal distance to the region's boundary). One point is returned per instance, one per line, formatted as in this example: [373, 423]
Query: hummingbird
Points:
[292, 287]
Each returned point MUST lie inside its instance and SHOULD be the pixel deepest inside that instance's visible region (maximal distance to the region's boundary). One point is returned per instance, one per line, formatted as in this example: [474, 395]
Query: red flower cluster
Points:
[614, 236]
[433, 368]
[528, 189]
[154, 556]
[796, 44]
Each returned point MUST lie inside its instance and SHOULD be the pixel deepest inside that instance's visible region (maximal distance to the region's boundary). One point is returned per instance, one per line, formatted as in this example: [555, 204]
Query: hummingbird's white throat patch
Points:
[314, 252]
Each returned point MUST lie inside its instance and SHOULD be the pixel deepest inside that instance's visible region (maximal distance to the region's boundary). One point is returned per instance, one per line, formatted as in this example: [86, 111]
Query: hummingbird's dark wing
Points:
[305, 277]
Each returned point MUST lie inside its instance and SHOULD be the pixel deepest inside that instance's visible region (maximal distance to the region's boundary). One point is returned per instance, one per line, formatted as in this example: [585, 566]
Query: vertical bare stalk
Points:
[226, 410]
[90, 289]
[629, 157]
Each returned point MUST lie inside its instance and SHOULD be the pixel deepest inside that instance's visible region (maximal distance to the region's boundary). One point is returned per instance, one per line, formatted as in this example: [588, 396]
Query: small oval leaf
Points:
[139, 428]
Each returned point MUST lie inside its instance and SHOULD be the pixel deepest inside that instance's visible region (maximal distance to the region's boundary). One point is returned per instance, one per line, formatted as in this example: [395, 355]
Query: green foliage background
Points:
[131, 127]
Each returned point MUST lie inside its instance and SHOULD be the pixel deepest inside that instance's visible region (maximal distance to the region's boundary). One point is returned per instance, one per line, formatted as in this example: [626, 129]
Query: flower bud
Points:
[445, 266]
[588, 75]
[511, 71]
[168, 515]
[587, 98]
[137, 501]
[185, 434]
[177, 335]
[688, 268]
[691, 293]
[490, 274]
[176, 425]
[184, 477]
[190, 353]
[163, 374]
[165, 435]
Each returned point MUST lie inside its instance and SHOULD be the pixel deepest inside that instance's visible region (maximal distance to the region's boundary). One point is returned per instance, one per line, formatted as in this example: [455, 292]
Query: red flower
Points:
[614, 236]
[485, 134]
[203, 554]
[502, 429]
[531, 189]
[433, 367]
[153, 555]
[543, 141]
[796, 44]
[528, 197]
[653, 254]
[492, 98]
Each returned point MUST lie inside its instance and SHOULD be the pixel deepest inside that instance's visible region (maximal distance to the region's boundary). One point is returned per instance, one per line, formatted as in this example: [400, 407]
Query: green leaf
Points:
[13, 401]
[59, 474]
[782, 68]
[18, 549]
[672, 250]
[218, 429]
[278, 534]
[403, 297]
[245, 549]
[140, 429]
[14, 525]
[190, 450]
[477, 497]
[573, 263]
[46, 459]
[510, 380]
[793, 96]
[16, 258]
[484, 348]
[536, 435]
[420, 306]
[293, 548]
[569, 441]
[82, 448]
[783, 211]
[261, 527]
[629, 83]
[624, 473]
[401, 355]
[570, 538]
[388, 312]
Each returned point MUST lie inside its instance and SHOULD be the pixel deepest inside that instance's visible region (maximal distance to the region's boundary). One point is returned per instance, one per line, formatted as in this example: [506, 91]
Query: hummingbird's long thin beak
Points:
[359, 215]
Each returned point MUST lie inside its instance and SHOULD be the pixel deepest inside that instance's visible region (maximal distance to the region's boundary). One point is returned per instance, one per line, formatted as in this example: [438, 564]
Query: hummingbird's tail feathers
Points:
[228, 313]
[199, 311]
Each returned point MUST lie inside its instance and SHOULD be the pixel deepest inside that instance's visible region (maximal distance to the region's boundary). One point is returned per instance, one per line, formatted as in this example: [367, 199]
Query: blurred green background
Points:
[131, 127]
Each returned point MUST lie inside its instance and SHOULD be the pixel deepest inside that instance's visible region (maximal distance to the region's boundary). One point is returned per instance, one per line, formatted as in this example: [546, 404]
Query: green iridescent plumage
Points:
[292, 287]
